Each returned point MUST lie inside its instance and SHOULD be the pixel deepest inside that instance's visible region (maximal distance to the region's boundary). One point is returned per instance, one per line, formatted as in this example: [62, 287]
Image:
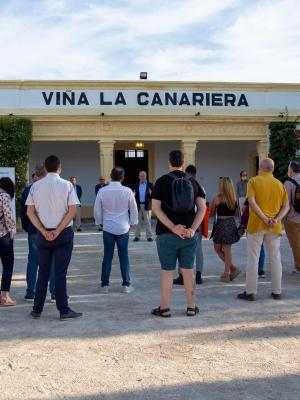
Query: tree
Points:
[15, 143]
[283, 146]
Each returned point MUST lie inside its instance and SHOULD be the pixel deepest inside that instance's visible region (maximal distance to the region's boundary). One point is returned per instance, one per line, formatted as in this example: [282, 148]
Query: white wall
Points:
[78, 158]
[161, 157]
[213, 159]
[221, 158]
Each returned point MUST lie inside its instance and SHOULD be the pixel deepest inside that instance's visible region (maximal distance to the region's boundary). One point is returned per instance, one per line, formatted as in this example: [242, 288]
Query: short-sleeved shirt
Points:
[51, 197]
[270, 195]
[163, 191]
[292, 215]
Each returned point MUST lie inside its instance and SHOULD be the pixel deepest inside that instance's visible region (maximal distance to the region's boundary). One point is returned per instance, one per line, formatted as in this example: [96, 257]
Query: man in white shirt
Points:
[51, 207]
[116, 210]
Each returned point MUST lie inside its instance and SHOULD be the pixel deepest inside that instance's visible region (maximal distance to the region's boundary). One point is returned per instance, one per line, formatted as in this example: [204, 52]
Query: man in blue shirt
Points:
[143, 192]
[100, 185]
[78, 191]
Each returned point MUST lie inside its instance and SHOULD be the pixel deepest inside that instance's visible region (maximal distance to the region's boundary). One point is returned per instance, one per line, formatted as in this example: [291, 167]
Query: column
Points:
[189, 150]
[262, 148]
[106, 153]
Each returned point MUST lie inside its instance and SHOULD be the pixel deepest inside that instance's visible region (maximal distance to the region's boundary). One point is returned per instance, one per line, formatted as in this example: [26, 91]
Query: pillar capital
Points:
[189, 142]
[262, 148]
[106, 142]
[188, 146]
[106, 155]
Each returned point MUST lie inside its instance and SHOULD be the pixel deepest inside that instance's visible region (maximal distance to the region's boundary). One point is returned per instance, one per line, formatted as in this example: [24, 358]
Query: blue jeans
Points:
[261, 261]
[32, 267]
[109, 241]
[61, 249]
[199, 254]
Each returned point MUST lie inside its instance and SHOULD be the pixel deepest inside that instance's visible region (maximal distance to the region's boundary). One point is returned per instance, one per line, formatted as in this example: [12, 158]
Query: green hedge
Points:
[15, 143]
[283, 146]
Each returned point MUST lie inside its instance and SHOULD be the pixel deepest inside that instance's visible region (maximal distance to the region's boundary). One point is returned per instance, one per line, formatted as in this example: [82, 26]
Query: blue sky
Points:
[211, 40]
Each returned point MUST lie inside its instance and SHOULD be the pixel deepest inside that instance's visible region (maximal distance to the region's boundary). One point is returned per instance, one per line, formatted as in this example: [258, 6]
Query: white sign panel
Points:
[147, 99]
[10, 173]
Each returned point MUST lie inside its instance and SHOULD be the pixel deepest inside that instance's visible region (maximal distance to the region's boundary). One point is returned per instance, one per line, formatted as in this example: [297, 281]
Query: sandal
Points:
[165, 313]
[235, 272]
[225, 278]
[191, 312]
[7, 302]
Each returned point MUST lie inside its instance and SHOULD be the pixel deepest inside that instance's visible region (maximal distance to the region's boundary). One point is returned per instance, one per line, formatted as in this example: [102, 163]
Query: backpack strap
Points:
[174, 176]
[294, 182]
[179, 177]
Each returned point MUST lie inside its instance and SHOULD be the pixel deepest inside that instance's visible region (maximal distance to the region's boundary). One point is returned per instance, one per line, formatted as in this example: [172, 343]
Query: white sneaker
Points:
[127, 289]
[104, 289]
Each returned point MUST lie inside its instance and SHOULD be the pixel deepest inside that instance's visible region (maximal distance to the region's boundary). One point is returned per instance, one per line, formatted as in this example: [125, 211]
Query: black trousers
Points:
[7, 259]
[61, 249]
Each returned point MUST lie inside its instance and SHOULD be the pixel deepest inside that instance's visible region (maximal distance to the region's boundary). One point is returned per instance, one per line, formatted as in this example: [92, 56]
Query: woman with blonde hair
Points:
[223, 208]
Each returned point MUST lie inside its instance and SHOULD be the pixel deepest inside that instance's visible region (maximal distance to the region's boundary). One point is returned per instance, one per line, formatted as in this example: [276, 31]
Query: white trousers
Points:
[146, 216]
[272, 244]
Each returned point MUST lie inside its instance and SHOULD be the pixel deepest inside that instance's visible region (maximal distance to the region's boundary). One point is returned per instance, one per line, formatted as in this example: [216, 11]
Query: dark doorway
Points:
[133, 161]
[256, 165]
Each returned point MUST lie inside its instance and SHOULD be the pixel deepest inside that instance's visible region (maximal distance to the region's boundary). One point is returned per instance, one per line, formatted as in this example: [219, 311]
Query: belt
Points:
[142, 202]
[50, 229]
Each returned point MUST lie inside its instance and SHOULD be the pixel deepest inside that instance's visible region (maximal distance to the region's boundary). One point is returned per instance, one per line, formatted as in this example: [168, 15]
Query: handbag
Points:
[205, 223]
[241, 230]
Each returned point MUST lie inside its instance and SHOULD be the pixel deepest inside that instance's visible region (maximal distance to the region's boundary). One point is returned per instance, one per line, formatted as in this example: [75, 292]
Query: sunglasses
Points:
[224, 177]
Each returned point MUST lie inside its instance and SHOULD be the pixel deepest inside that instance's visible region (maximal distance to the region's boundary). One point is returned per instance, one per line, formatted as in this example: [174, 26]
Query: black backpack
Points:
[296, 202]
[183, 194]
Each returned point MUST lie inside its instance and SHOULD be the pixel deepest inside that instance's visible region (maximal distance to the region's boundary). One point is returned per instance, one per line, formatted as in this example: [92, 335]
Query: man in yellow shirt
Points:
[269, 203]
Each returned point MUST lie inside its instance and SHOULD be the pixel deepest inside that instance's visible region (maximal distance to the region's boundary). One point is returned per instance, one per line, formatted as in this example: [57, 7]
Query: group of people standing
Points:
[178, 202]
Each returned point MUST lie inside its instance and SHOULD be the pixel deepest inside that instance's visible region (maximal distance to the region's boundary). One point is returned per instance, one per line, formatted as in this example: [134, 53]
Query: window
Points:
[134, 154]
[140, 153]
[129, 153]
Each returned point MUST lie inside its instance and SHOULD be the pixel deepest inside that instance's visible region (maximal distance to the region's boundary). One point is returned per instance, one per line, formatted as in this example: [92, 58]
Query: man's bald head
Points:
[267, 165]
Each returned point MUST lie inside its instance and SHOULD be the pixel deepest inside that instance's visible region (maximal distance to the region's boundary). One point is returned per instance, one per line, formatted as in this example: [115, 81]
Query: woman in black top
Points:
[224, 207]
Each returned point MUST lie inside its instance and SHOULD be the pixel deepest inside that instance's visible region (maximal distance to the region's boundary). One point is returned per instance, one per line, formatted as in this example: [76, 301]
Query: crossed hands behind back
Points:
[183, 232]
[270, 221]
[51, 235]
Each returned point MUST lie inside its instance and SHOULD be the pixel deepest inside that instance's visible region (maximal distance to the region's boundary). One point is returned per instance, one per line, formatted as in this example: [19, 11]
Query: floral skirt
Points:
[225, 231]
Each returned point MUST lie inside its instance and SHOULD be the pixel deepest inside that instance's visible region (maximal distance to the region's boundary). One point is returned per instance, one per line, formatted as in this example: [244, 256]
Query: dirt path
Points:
[231, 350]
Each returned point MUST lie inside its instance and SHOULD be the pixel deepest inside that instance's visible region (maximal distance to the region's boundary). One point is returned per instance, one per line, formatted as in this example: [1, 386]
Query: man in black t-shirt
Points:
[175, 231]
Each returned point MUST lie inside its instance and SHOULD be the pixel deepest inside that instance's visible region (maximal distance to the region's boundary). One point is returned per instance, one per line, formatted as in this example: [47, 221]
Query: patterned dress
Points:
[7, 223]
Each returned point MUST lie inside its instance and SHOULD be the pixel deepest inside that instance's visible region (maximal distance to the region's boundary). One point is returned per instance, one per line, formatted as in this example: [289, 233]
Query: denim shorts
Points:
[171, 248]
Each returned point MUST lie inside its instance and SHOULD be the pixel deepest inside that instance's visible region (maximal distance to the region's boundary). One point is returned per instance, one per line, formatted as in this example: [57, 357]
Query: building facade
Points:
[92, 125]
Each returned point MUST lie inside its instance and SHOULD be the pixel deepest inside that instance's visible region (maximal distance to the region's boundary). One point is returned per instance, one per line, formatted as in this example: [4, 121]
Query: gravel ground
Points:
[231, 350]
